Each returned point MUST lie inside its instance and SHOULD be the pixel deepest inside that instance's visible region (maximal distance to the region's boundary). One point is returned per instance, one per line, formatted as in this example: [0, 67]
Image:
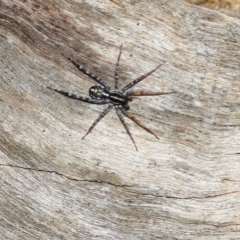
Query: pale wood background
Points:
[56, 186]
[229, 7]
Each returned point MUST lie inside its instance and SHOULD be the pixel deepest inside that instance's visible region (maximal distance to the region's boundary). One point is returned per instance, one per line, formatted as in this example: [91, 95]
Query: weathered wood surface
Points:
[56, 186]
[229, 7]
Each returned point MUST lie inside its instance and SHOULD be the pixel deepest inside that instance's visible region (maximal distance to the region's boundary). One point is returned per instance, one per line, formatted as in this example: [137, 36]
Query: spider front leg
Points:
[79, 98]
[88, 73]
[119, 113]
[130, 116]
[103, 114]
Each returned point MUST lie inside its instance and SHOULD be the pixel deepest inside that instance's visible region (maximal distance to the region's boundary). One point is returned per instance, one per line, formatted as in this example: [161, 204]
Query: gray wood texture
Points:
[229, 7]
[56, 186]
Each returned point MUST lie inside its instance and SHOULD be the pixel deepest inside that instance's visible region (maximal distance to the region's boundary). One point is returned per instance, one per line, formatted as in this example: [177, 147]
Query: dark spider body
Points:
[115, 97]
[118, 98]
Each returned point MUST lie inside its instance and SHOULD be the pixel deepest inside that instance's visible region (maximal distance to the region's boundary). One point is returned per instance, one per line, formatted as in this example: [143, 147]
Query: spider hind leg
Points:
[139, 79]
[130, 116]
[147, 93]
[119, 113]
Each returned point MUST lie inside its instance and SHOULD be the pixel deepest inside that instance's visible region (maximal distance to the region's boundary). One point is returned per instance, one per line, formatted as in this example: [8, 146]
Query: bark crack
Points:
[63, 175]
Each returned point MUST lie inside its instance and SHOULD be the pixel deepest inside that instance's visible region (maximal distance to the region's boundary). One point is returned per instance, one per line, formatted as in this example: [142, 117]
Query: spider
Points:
[119, 99]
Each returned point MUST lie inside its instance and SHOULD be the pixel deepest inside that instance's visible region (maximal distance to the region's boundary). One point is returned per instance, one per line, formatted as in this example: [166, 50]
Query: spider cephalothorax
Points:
[117, 98]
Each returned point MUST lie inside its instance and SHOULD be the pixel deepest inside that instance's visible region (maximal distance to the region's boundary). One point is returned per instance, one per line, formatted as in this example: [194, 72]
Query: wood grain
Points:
[56, 186]
[229, 7]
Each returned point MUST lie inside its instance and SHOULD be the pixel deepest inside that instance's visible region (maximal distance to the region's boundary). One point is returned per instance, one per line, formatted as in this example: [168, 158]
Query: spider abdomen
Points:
[118, 98]
[115, 97]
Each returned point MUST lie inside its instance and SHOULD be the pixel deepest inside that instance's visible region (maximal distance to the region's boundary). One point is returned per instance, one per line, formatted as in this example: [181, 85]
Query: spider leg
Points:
[130, 116]
[83, 99]
[131, 84]
[147, 93]
[125, 125]
[116, 69]
[88, 73]
[103, 114]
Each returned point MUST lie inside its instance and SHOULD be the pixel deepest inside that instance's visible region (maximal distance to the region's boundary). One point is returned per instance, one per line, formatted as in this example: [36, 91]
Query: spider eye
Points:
[96, 92]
